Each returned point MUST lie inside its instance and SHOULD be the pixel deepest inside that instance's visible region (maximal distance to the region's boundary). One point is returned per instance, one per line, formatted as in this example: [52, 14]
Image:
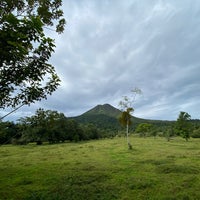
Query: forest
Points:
[54, 127]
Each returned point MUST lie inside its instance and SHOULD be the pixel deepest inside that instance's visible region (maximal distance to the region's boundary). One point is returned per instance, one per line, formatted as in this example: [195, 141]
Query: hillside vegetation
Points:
[106, 117]
[100, 122]
[102, 170]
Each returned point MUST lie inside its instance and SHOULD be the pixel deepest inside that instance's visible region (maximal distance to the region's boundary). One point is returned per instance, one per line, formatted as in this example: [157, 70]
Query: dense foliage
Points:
[53, 127]
[46, 126]
[183, 125]
[144, 128]
[8, 131]
[101, 121]
[26, 75]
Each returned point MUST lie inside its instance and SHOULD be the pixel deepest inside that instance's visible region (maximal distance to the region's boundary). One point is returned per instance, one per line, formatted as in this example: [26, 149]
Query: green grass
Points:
[105, 169]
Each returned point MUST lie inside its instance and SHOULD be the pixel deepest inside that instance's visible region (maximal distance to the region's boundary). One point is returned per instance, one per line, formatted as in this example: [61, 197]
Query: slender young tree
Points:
[126, 105]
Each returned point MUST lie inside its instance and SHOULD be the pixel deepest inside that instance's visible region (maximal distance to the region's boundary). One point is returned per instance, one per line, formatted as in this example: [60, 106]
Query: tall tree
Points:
[182, 126]
[127, 108]
[26, 75]
[45, 125]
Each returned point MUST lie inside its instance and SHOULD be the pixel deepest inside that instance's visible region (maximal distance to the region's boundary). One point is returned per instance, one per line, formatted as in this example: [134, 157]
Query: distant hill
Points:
[105, 109]
[106, 117]
[102, 116]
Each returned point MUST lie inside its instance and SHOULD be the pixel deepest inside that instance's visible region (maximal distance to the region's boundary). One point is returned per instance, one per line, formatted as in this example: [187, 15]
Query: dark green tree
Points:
[91, 131]
[54, 127]
[34, 128]
[45, 125]
[26, 75]
[183, 126]
[73, 131]
[8, 130]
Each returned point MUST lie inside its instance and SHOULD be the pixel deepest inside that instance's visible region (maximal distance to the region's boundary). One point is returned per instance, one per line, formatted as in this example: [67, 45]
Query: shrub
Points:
[19, 141]
[196, 133]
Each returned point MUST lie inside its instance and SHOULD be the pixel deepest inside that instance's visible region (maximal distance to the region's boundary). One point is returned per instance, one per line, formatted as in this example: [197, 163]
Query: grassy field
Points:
[105, 169]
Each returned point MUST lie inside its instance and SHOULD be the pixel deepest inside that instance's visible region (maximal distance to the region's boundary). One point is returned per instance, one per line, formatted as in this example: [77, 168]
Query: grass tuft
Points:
[178, 169]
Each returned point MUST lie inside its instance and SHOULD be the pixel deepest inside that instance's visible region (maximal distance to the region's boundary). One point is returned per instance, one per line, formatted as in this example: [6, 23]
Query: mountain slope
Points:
[110, 111]
[106, 117]
[105, 109]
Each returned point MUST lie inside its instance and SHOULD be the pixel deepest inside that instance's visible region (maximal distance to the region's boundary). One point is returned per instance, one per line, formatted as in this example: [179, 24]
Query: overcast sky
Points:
[112, 46]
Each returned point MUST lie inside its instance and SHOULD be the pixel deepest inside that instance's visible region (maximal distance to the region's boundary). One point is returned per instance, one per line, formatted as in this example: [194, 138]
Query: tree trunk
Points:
[127, 132]
[127, 135]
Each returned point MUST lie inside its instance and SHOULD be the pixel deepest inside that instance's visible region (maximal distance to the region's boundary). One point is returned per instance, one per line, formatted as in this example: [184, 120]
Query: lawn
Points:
[102, 169]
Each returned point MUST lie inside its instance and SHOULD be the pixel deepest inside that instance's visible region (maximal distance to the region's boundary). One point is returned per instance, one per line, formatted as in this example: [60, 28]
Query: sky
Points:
[109, 47]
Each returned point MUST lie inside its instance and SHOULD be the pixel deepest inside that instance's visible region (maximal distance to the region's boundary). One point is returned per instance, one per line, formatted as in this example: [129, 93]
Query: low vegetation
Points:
[102, 169]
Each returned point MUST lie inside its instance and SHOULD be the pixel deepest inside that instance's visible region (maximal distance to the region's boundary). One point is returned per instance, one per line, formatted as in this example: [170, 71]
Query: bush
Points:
[196, 133]
[19, 141]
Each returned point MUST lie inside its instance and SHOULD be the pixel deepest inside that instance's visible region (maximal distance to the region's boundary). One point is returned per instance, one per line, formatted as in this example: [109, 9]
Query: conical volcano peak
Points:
[105, 109]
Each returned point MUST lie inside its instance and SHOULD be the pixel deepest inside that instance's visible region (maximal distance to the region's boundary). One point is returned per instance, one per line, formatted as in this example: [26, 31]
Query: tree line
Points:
[184, 126]
[46, 126]
[54, 127]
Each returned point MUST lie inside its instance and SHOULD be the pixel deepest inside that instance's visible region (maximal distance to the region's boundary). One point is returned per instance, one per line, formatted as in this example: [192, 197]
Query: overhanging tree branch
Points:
[25, 50]
[11, 111]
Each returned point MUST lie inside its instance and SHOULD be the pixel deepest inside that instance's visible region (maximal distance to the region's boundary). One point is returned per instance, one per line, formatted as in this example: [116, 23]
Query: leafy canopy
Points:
[182, 126]
[25, 73]
[144, 128]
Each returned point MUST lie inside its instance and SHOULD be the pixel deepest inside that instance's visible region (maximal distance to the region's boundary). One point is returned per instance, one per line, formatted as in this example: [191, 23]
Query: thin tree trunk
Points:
[127, 135]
